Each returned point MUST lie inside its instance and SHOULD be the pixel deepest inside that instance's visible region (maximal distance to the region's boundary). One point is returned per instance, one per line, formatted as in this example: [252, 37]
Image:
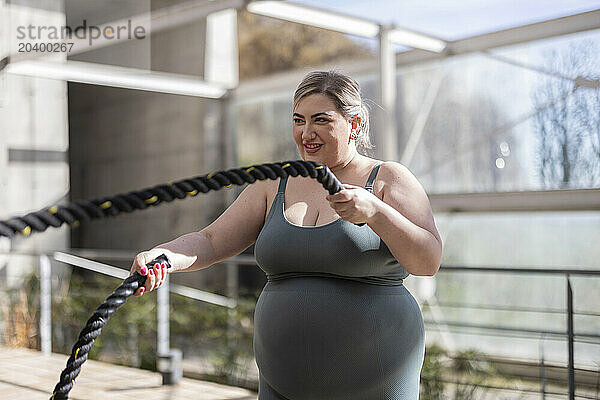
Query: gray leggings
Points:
[334, 339]
[266, 392]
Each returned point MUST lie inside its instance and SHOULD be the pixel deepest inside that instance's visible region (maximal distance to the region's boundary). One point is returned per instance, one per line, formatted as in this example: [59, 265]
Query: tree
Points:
[568, 126]
[267, 45]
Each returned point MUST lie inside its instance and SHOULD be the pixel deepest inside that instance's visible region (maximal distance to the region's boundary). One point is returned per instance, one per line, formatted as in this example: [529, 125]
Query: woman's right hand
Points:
[155, 274]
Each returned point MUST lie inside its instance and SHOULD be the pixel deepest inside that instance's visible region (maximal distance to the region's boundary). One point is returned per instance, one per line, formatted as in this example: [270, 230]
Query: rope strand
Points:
[73, 213]
[93, 328]
[109, 206]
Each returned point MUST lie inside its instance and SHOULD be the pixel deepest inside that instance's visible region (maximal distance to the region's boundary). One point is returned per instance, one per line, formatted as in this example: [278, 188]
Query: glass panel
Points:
[505, 121]
[545, 239]
[504, 314]
[453, 20]
[485, 131]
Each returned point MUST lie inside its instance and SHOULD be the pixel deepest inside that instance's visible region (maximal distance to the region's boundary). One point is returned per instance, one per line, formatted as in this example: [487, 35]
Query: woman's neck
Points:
[349, 166]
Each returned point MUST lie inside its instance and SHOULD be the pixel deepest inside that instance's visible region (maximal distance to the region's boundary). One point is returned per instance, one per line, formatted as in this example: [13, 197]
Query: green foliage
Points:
[432, 385]
[129, 338]
[462, 376]
[222, 336]
[472, 371]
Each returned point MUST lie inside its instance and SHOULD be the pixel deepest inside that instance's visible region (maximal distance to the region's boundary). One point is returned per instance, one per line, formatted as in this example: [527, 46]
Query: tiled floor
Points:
[28, 374]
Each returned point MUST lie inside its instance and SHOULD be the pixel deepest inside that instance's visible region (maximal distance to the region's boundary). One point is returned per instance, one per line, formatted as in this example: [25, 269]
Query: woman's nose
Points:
[308, 132]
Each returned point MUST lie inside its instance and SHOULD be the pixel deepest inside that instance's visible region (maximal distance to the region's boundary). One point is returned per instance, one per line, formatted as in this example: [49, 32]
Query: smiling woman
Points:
[334, 320]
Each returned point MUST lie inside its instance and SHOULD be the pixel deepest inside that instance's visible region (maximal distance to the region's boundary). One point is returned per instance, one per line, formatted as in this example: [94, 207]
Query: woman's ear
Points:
[355, 121]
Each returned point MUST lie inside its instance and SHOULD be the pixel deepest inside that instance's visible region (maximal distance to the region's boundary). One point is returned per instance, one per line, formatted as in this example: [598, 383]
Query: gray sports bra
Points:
[339, 249]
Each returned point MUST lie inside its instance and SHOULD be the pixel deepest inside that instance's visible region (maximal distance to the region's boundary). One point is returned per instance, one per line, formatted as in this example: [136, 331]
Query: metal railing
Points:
[592, 338]
[165, 355]
[163, 346]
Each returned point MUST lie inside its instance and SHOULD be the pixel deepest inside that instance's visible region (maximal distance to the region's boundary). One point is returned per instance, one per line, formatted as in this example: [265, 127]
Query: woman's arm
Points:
[404, 220]
[236, 229]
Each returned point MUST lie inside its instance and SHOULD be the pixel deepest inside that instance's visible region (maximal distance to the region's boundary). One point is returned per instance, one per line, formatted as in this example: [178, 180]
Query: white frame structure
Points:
[425, 48]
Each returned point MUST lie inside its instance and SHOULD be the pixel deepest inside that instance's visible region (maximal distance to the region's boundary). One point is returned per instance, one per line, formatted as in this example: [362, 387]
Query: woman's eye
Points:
[298, 120]
[321, 119]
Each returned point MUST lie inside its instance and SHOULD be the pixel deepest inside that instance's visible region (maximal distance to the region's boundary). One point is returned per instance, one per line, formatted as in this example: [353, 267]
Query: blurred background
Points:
[493, 105]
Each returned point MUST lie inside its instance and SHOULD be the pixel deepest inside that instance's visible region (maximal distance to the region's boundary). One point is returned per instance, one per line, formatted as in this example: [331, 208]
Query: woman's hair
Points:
[345, 94]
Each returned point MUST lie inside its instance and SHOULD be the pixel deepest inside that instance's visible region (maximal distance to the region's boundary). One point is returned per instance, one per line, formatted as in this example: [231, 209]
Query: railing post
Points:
[168, 361]
[162, 318]
[134, 344]
[45, 305]
[232, 293]
[542, 368]
[570, 335]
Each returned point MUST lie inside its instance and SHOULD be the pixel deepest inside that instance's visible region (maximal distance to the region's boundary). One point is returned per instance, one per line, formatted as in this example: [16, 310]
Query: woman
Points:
[334, 320]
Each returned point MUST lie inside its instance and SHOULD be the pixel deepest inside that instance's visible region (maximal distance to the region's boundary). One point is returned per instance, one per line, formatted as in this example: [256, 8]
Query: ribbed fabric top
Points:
[339, 249]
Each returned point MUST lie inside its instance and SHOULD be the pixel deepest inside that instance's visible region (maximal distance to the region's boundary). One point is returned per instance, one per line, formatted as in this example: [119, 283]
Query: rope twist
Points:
[93, 327]
[85, 210]
[110, 206]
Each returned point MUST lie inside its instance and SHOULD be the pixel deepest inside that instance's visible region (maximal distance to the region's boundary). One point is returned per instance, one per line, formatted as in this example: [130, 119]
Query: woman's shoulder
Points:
[396, 179]
[392, 170]
[396, 175]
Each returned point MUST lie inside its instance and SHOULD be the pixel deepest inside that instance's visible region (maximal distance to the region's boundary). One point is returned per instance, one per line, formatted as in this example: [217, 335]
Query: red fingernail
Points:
[142, 289]
[151, 271]
[144, 271]
[164, 265]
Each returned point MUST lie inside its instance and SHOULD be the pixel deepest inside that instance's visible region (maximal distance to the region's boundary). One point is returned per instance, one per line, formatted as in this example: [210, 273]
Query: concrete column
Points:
[33, 124]
[221, 54]
[221, 66]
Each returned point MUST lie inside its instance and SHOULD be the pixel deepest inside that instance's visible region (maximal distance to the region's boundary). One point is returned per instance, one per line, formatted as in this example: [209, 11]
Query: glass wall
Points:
[507, 120]
[511, 310]
[512, 119]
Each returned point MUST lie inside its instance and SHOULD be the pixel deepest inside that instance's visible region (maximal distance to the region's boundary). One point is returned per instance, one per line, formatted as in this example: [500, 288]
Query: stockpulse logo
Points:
[91, 33]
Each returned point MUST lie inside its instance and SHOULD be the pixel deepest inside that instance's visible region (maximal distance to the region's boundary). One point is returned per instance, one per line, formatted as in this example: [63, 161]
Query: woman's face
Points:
[321, 132]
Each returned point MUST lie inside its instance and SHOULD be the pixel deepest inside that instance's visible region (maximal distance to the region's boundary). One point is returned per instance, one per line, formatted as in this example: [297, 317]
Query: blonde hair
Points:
[345, 94]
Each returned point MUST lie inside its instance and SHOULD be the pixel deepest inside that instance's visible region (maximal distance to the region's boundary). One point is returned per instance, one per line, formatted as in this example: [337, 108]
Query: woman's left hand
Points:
[354, 203]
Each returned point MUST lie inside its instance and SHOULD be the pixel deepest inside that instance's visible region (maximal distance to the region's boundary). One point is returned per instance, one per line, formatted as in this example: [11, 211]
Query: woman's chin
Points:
[310, 157]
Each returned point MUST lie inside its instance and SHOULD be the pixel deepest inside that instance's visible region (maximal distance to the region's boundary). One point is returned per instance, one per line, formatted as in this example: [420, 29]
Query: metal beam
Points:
[386, 135]
[120, 273]
[527, 33]
[543, 200]
[315, 16]
[128, 78]
[343, 23]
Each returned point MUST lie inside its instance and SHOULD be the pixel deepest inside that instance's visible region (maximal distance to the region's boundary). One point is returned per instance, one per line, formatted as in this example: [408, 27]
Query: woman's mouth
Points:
[312, 147]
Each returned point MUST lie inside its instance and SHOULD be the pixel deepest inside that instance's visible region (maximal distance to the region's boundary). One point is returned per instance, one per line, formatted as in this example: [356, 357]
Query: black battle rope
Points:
[110, 206]
[94, 326]
[4, 62]
[72, 213]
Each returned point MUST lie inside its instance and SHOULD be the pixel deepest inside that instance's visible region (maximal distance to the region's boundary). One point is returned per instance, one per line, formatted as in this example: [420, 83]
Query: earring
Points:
[353, 135]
